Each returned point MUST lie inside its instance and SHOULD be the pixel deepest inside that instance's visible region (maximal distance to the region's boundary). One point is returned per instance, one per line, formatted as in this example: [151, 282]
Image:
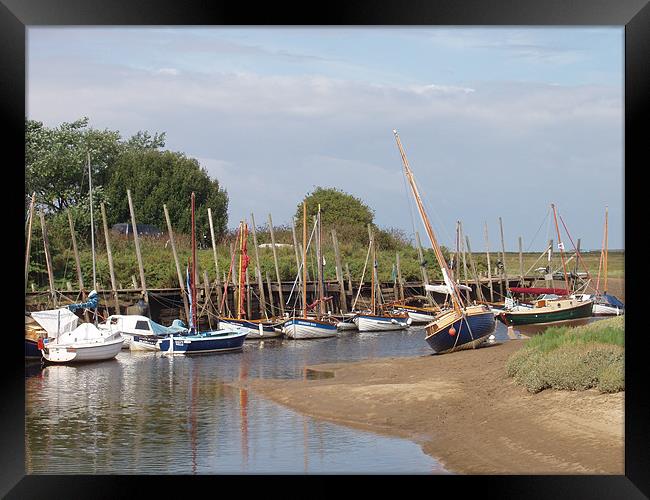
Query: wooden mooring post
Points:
[504, 279]
[29, 236]
[339, 274]
[109, 253]
[462, 244]
[137, 252]
[479, 292]
[179, 274]
[216, 261]
[48, 259]
[271, 300]
[277, 269]
[423, 268]
[489, 268]
[258, 271]
[399, 277]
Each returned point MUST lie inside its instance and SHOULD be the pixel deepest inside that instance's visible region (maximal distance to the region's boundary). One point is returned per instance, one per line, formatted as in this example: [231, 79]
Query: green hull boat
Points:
[552, 311]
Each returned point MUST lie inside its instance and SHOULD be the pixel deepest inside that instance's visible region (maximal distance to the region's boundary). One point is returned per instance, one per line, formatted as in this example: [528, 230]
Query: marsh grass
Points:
[578, 358]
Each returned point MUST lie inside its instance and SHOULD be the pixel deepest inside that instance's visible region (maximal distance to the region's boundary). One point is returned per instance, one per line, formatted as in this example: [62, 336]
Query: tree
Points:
[337, 208]
[56, 161]
[156, 178]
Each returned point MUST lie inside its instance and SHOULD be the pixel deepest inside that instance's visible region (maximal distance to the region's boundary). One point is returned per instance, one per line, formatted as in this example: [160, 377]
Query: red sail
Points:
[537, 291]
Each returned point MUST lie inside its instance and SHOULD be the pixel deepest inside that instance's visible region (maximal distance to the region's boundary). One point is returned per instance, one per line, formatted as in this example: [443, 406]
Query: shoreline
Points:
[470, 421]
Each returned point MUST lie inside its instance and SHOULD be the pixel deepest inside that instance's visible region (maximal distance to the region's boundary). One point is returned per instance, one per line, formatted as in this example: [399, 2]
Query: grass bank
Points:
[573, 358]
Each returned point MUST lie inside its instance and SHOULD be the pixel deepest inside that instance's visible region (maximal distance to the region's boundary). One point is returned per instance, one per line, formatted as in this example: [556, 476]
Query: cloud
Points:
[479, 150]
[167, 71]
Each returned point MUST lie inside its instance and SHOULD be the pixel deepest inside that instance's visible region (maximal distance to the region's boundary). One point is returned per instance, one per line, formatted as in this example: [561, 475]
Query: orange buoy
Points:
[452, 331]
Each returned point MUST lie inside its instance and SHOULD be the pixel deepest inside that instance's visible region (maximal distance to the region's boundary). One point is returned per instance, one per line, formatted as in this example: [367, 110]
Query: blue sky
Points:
[496, 122]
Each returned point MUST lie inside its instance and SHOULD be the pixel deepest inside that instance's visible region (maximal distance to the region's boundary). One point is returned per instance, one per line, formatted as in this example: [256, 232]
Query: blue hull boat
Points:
[198, 343]
[195, 342]
[454, 332]
[31, 349]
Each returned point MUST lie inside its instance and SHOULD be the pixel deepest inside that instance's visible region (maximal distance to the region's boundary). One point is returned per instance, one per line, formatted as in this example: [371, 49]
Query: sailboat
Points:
[194, 341]
[463, 326]
[604, 303]
[549, 307]
[316, 326]
[68, 343]
[378, 319]
[259, 328]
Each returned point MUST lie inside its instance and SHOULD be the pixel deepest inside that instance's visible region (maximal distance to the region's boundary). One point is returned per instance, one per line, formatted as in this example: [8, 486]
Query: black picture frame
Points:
[16, 15]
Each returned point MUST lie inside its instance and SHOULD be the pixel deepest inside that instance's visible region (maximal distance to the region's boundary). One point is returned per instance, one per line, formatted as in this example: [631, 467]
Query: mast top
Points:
[446, 272]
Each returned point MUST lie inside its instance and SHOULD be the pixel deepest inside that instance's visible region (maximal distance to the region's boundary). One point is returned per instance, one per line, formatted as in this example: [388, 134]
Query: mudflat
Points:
[464, 411]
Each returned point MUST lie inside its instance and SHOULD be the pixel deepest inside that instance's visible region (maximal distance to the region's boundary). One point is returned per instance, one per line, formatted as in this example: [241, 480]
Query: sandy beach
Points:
[464, 412]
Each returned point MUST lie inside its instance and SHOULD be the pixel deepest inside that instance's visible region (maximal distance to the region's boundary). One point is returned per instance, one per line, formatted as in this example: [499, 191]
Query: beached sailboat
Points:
[316, 326]
[550, 307]
[194, 341]
[378, 318]
[463, 326]
[259, 328]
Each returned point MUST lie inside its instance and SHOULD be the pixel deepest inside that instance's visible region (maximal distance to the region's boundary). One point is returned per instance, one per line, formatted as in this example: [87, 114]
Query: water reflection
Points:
[146, 413]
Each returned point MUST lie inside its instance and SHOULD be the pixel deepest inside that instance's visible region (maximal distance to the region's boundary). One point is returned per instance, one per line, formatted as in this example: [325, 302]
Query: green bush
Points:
[612, 378]
[579, 358]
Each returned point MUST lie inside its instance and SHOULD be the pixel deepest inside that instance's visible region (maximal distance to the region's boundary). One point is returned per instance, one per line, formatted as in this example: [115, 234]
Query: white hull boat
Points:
[256, 330]
[140, 332]
[344, 326]
[605, 310]
[369, 323]
[84, 343]
[421, 318]
[301, 328]
[604, 305]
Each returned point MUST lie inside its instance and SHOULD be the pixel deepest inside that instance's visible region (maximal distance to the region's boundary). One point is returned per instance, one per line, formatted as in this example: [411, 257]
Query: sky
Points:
[495, 121]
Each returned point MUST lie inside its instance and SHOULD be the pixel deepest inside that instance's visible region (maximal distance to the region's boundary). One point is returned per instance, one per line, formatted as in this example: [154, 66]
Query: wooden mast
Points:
[372, 274]
[92, 227]
[455, 295]
[606, 250]
[304, 259]
[601, 261]
[193, 270]
[560, 246]
[239, 274]
[321, 304]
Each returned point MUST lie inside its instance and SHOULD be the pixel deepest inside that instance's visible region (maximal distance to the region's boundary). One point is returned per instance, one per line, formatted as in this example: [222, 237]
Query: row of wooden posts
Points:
[463, 249]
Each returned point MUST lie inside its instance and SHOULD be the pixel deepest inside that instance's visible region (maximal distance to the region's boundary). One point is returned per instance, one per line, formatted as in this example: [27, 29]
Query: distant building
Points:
[144, 229]
[277, 245]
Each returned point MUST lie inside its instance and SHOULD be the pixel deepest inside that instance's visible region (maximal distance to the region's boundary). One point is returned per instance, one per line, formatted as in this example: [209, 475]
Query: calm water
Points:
[147, 413]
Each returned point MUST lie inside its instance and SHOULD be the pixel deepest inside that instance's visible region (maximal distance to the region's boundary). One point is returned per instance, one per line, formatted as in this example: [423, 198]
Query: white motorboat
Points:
[140, 333]
[66, 342]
